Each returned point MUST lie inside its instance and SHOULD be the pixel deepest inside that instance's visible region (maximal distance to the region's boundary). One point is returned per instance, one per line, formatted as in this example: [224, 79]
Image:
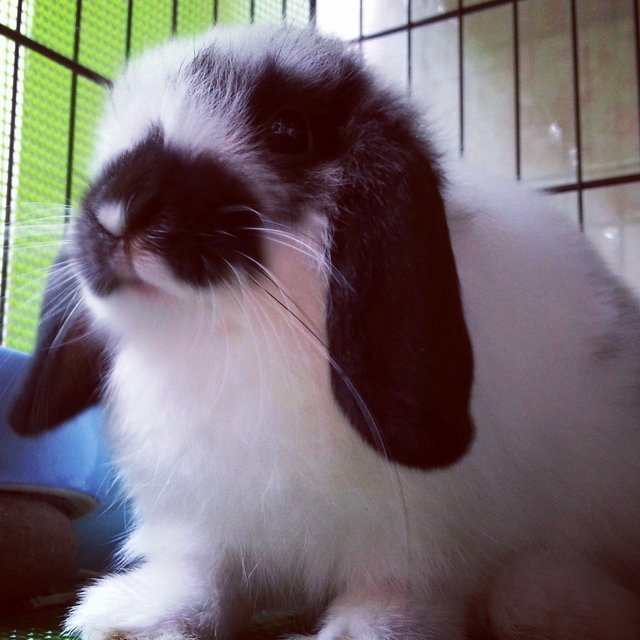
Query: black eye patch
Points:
[298, 119]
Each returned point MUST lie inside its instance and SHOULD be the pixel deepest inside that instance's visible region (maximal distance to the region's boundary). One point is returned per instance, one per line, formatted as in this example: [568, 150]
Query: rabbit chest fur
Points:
[345, 376]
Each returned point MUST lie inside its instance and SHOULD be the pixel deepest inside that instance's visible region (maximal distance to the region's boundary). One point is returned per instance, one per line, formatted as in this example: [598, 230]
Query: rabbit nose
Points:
[120, 261]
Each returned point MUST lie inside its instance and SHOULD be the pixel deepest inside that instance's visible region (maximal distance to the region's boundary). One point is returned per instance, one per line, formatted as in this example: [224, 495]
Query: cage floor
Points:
[45, 624]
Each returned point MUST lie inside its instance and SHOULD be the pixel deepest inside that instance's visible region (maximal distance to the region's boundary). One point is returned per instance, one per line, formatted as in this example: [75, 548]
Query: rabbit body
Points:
[251, 487]
[278, 492]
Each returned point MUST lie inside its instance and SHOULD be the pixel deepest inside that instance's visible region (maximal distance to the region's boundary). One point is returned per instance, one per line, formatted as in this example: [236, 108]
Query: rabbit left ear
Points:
[65, 372]
[397, 336]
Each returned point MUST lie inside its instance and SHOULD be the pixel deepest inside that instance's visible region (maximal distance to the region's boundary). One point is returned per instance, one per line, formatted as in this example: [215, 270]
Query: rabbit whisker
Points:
[319, 343]
[243, 302]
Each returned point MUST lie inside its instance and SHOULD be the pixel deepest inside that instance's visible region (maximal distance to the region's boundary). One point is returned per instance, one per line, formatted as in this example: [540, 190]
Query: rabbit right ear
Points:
[403, 359]
[65, 373]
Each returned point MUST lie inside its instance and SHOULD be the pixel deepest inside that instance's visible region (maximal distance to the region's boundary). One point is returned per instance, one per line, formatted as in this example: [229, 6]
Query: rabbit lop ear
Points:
[397, 335]
[64, 374]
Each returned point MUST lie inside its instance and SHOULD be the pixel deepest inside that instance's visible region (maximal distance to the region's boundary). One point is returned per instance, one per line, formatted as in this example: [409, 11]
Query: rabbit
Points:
[346, 375]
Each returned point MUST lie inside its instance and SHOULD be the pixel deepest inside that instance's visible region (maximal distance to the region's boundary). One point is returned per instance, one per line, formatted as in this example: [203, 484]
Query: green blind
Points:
[49, 105]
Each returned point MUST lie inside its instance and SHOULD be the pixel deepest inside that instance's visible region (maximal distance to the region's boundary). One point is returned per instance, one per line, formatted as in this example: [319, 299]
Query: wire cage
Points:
[544, 91]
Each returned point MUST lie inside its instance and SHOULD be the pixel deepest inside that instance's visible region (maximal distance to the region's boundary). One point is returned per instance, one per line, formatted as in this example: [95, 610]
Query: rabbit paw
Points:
[561, 595]
[384, 617]
[159, 602]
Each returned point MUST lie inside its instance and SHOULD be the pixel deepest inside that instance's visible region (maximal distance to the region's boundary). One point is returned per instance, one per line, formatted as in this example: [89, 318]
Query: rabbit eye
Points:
[288, 132]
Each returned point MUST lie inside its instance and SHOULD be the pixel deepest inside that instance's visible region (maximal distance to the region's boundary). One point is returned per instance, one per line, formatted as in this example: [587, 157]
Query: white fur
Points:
[111, 217]
[244, 471]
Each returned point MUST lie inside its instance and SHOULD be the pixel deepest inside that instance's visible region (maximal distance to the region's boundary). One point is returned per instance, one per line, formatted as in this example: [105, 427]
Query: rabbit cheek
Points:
[300, 268]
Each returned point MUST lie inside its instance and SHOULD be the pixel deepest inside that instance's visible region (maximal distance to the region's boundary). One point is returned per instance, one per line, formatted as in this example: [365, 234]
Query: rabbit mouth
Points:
[128, 271]
[119, 266]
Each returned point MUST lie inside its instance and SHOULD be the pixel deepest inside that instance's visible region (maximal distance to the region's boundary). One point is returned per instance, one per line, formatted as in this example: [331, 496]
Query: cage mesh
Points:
[151, 23]
[40, 186]
[103, 36]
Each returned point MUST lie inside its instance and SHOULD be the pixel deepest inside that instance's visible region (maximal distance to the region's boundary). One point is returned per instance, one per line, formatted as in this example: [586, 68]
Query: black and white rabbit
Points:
[344, 375]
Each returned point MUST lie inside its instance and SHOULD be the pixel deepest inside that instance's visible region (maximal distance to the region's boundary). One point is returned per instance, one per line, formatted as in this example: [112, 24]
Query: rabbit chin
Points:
[283, 299]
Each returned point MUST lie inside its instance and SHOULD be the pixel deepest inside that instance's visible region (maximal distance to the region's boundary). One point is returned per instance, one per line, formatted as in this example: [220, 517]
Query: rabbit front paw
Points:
[383, 616]
[152, 601]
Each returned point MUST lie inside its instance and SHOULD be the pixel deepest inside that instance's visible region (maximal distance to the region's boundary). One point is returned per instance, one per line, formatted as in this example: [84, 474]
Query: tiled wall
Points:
[544, 90]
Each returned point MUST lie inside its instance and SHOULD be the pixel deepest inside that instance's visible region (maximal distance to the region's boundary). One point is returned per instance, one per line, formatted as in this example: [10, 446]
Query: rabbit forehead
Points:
[197, 90]
[157, 91]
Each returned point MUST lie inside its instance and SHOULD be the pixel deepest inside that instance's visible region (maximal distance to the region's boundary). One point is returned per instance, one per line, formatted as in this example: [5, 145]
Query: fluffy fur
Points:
[268, 466]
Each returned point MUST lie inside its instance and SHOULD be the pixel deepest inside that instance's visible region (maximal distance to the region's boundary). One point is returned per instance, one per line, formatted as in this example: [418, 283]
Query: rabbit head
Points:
[274, 162]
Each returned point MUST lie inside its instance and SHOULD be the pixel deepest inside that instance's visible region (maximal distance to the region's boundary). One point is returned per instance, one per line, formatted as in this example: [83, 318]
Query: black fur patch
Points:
[397, 332]
[189, 209]
[327, 106]
[64, 375]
